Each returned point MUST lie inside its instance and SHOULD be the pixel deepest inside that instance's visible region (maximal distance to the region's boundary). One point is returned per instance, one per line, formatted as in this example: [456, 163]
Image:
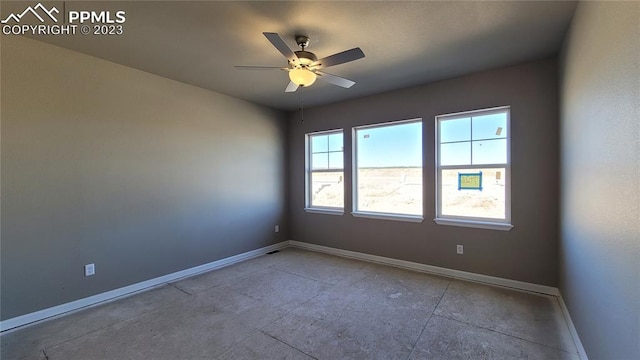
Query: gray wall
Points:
[527, 253]
[600, 161]
[141, 175]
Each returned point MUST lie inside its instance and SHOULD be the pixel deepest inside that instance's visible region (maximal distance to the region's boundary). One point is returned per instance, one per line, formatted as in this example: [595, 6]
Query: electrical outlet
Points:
[89, 269]
[277, 228]
[459, 249]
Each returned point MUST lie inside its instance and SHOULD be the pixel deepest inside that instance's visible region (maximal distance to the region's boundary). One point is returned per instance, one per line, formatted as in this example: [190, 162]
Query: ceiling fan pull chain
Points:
[301, 106]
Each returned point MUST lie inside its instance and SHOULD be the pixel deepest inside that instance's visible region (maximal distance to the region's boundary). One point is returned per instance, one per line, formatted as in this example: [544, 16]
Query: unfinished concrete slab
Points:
[209, 279]
[533, 317]
[262, 346]
[326, 268]
[297, 304]
[31, 340]
[449, 339]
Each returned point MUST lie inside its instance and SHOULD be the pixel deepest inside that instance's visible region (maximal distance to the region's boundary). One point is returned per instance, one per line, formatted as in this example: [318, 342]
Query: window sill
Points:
[338, 212]
[385, 216]
[474, 224]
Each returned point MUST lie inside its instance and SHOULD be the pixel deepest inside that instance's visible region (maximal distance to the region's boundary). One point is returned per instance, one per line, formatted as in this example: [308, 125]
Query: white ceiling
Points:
[405, 43]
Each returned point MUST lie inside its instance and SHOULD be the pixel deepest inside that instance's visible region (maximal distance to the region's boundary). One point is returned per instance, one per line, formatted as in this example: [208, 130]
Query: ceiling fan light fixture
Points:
[302, 77]
[304, 67]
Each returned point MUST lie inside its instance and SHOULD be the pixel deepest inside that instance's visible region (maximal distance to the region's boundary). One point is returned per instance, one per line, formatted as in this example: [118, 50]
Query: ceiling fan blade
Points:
[243, 67]
[291, 87]
[335, 80]
[339, 58]
[282, 46]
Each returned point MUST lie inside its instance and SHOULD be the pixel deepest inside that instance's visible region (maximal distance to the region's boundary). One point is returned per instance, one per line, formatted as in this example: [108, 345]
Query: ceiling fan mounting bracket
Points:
[302, 41]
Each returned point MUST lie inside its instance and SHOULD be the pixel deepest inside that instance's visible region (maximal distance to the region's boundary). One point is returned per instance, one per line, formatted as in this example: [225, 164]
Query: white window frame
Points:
[307, 175]
[354, 175]
[468, 221]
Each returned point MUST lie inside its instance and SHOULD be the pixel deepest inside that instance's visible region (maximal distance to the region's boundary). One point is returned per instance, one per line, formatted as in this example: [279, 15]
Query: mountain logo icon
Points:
[36, 11]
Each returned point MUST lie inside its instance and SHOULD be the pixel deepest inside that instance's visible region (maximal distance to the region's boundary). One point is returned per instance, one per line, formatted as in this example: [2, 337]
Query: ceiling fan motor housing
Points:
[306, 57]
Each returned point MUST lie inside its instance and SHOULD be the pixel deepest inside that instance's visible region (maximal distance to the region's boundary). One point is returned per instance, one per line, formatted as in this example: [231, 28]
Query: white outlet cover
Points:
[277, 228]
[89, 269]
[460, 249]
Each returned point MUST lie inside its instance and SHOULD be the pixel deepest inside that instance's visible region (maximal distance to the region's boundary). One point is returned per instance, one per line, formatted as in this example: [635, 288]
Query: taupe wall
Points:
[600, 161]
[527, 253]
[141, 175]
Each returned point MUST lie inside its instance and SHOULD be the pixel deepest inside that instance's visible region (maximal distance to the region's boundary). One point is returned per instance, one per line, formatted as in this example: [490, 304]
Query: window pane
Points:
[455, 154]
[319, 161]
[455, 130]
[390, 190]
[336, 160]
[492, 126]
[390, 146]
[327, 189]
[335, 142]
[488, 203]
[319, 143]
[490, 152]
[389, 169]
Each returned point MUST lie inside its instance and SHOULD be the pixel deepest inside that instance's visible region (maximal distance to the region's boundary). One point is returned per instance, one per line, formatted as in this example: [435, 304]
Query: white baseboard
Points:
[128, 290]
[492, 280]
[572, 329]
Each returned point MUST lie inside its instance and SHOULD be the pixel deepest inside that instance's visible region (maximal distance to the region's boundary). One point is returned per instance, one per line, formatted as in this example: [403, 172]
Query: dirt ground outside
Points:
[488, 203]
[399, 190]
[327, 189]
[389, 190]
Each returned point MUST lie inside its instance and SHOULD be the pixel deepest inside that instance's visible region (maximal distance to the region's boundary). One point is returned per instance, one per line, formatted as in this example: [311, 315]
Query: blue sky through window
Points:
[327, 151]
[467, 140]
[397, 145]
[474, 140]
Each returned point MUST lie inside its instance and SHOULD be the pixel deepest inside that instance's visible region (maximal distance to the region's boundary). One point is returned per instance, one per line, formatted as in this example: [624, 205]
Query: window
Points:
[388, 170]
[474, 169]
[325, 171]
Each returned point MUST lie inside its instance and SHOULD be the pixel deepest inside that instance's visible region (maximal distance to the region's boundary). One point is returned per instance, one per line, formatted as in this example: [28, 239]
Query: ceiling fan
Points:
[304, 67]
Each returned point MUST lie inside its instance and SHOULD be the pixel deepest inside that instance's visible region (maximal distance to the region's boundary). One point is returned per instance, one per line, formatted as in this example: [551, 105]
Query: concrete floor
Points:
[297, 304]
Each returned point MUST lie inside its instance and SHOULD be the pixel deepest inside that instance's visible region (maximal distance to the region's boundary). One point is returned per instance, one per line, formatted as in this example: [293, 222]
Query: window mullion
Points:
[480, 166]
[471, 137]
[327, 171]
